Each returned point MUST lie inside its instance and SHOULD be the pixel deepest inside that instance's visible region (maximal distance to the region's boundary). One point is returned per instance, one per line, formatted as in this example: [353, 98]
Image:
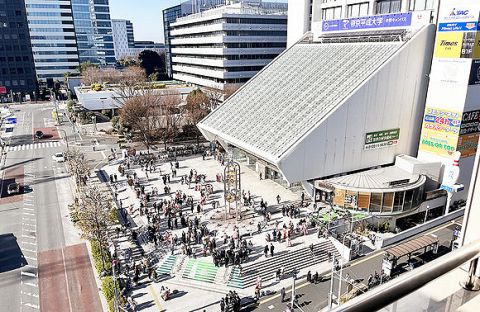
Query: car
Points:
[58, 157]
[13, 188]
[38, 134]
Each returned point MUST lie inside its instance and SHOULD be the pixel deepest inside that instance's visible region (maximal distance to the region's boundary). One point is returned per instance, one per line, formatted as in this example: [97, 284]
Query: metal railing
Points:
[396, 289]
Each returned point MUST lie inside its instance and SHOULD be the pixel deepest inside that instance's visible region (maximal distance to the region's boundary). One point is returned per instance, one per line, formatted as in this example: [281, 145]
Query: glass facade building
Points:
[93, 29]
[52, 35]
[17, 70]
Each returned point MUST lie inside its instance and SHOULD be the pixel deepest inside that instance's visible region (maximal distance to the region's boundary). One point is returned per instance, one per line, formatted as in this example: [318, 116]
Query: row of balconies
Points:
[226, 51]
[219, 74]
[227, 39]
[220, 62]
[225, 27]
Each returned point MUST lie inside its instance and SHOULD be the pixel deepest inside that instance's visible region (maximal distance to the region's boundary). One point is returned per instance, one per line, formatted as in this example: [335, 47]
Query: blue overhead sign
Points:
[368, 22]
[460, 26]
[11, 120]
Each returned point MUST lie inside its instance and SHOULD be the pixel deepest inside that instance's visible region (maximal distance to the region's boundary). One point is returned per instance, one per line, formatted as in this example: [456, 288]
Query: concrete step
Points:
[297, 259]
[200, 271]
[167, 265]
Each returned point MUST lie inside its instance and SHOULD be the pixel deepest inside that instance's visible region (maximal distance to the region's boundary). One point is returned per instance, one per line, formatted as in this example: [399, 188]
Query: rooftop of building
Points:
[294, 93]
[242, 8]
[160, 85]
[386, 179]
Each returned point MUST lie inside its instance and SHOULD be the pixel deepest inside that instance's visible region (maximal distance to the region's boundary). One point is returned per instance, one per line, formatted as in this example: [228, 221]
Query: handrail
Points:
[407, 283]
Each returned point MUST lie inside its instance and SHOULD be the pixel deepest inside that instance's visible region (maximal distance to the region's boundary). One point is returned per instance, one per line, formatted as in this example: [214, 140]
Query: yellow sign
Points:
[467, 144]
[449, 44]
[440, 131]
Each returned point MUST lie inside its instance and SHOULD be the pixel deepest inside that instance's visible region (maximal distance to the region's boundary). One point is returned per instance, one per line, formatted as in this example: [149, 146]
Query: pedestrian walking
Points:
[271, 249]
[282, 292]
[278, 199]
[265, 251]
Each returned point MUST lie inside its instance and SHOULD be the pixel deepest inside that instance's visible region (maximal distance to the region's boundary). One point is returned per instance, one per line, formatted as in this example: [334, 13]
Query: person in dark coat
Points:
[265, 250]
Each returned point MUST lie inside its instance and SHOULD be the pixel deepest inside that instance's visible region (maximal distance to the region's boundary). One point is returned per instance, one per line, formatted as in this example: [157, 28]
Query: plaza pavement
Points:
[201, 296]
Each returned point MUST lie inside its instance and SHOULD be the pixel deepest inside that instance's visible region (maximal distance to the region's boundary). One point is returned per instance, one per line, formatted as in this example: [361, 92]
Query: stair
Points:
[200, 271]
[167, 265]
[296, 259]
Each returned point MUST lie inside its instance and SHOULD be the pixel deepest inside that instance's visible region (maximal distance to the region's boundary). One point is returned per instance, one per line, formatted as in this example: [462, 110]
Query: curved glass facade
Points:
[379, 202]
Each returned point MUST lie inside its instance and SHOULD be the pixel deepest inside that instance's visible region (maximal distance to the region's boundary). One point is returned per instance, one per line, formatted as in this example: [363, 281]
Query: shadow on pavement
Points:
[11, 256]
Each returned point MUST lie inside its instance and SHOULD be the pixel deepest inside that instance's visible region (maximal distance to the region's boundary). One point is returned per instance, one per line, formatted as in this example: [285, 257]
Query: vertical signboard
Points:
[454, 68]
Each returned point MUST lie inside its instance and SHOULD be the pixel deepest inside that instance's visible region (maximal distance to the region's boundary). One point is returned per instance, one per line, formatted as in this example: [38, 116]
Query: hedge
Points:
[108, 289]
[97, 258]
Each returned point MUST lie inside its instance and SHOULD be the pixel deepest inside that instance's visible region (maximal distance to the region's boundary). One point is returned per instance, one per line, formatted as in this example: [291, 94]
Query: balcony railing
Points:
[392, 291]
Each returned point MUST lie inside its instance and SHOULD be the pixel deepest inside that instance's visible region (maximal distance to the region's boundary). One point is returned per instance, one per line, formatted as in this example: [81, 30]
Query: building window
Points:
[332, 13]
[398, 201]
[421, 5]
[408, 200]
[376, 202]
[387, 202]
[388, 6]
[358, 9]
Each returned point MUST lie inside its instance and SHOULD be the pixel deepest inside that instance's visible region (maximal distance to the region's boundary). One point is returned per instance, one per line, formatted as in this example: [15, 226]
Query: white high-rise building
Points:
[52, 36]
[123, 38]
[299, 20]
[227, 45]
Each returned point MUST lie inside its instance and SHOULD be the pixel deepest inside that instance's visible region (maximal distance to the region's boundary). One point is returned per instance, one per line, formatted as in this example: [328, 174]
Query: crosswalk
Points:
[26, 147]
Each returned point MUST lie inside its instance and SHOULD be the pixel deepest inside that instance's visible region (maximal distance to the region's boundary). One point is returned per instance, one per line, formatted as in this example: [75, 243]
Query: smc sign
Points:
[3, 90]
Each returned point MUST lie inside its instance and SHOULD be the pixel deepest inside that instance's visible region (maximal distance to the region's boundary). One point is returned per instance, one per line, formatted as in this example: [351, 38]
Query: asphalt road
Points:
[32, 223]
[314, 297]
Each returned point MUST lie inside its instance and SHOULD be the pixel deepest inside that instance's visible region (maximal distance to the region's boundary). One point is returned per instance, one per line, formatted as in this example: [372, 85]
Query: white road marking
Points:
[30, 258]
[29, 250]
[28, 274]
[29, 243]
[30, 284]
[29, 294]
[31, 305]
[29, 214]
[29, 209]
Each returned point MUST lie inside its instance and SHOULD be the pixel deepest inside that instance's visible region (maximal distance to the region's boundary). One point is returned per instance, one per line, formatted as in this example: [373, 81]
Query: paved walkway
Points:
[196, 295]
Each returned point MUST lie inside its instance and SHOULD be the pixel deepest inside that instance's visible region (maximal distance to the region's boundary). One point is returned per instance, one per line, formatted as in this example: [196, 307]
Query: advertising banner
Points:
[470, 122]
[399, 20]
[380, 139]
[3, 90]
[440, 131]
[459, 13]
[474, 73]
[455, 44]
[467, 144]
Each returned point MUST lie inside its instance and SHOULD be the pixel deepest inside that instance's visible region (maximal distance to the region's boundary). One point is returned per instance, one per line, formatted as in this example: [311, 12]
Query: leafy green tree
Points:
[152, 62]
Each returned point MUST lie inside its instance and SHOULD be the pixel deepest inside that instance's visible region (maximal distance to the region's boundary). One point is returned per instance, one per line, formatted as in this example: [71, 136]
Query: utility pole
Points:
[294, 276]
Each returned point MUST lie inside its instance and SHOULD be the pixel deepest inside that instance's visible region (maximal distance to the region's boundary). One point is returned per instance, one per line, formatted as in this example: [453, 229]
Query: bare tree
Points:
[141, 113]
[215, 96]
[229, 91]
[196, 109]
[130, 83]
[92, 215]
[77, 165]
[171, 116]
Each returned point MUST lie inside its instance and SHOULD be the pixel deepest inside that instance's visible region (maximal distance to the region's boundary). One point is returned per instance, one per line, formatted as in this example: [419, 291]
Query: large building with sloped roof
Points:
[339, 105]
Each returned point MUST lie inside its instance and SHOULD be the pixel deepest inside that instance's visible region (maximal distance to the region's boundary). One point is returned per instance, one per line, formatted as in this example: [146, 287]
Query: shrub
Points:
[97, 258]
[115, 121]
[113, 216]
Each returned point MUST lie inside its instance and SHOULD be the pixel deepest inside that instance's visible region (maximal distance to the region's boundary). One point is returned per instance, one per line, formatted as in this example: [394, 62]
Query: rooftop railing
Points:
[407, 283]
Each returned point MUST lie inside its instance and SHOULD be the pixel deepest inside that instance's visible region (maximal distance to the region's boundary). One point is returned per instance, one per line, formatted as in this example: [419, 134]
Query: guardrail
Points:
[392, 291]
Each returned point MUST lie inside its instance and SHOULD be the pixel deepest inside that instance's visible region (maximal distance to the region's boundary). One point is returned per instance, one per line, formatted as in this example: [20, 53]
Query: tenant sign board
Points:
[380, 139]
[388, 21]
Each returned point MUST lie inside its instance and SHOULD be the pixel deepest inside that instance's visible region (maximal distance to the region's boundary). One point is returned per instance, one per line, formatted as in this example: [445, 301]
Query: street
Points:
[36, 218]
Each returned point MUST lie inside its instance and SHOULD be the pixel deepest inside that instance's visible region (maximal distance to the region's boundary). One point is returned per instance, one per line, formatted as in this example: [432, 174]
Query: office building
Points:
[17, 69]
[140, 46]
[171, 14]
[93, 29]
[123, 38]
[299, 20]
[52, 36]
[227, 45]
